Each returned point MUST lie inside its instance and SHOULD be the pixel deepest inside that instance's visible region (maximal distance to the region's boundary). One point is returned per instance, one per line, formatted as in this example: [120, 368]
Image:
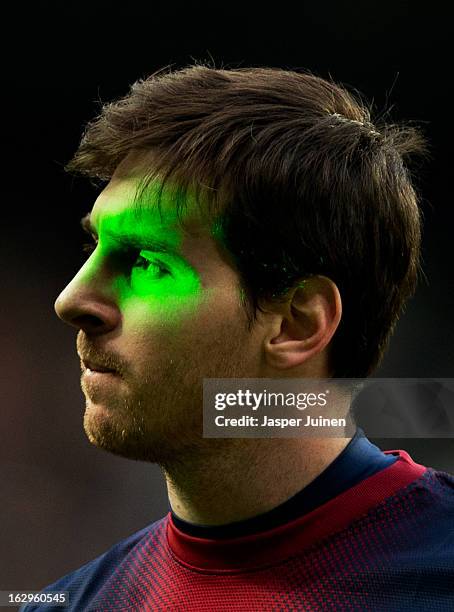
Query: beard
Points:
[154, 413]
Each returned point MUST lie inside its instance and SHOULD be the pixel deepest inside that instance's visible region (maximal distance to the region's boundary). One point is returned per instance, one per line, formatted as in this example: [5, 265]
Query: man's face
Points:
[158, 305]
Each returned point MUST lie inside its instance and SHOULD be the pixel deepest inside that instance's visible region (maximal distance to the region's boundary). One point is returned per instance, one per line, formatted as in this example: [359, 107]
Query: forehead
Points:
[122, 209]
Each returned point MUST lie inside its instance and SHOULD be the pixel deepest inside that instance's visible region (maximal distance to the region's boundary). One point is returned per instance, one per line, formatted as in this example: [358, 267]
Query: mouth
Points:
[91, 366]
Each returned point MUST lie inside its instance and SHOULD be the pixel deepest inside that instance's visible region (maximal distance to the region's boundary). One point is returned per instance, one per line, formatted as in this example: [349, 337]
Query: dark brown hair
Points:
[299, 180]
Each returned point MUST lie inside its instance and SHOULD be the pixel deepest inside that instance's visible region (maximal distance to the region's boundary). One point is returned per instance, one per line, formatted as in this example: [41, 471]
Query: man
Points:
[255, 224]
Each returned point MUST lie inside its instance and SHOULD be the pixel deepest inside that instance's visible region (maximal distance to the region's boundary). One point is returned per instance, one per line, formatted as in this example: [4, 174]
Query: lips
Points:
[97, 367]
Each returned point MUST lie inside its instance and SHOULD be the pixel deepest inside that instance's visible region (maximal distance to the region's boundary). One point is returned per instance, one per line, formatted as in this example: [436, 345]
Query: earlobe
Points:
[303, 326]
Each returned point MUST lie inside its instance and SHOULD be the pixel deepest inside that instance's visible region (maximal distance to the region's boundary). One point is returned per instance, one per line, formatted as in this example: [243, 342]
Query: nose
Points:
[87, 304]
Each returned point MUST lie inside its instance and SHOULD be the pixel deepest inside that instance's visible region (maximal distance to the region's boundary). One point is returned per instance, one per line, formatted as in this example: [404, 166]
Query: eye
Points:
[156, 268]
[139, 262]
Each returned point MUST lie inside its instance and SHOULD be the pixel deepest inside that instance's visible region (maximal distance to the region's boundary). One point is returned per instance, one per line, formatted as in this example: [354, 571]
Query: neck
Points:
[242, 478]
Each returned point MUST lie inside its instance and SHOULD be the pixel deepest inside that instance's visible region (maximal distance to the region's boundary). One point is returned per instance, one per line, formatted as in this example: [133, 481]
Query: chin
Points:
[106, 429]
[125, 436]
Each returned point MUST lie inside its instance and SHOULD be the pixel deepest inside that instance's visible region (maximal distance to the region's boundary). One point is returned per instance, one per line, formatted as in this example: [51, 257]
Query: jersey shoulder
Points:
[83, 583]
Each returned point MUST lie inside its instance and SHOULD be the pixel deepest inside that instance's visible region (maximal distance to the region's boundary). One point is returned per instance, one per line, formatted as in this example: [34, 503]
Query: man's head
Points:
[255, 224]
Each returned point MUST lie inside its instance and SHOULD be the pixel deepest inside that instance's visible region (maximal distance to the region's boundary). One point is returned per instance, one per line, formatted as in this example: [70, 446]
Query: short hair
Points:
[299, 180]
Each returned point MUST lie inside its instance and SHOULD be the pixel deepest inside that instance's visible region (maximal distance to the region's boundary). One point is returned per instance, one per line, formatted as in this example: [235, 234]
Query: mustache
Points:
[88, 352]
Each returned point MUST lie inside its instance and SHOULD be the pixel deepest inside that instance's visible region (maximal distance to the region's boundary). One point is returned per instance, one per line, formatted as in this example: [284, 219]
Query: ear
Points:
[301, 327]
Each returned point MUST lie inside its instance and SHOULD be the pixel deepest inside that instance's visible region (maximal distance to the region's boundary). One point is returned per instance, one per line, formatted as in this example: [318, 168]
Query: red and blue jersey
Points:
[375, 531]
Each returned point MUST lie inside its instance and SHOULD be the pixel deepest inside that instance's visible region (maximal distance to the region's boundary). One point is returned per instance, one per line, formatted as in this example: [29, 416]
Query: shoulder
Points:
[419, 519]
[436, 486]
[83, 583]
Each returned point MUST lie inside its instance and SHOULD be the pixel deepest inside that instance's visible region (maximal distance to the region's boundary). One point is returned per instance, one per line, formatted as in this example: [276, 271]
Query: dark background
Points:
[63, 501]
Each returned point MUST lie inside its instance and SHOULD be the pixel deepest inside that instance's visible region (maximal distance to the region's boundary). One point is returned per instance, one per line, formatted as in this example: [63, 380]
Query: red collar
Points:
[271, 547]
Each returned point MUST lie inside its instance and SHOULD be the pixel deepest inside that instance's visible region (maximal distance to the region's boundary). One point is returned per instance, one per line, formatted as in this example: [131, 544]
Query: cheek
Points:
[155, 312]
[155, 326]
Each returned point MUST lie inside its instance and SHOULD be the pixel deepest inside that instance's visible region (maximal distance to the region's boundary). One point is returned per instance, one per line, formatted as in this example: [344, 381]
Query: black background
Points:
[63, 501]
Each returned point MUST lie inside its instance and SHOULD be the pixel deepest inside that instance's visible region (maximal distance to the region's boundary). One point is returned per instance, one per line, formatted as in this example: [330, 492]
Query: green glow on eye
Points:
[148, 264]
[141, 248]
[162, 277]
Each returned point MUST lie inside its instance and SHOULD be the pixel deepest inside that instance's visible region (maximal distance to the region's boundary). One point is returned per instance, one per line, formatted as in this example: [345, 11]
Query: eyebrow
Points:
[131, 240]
